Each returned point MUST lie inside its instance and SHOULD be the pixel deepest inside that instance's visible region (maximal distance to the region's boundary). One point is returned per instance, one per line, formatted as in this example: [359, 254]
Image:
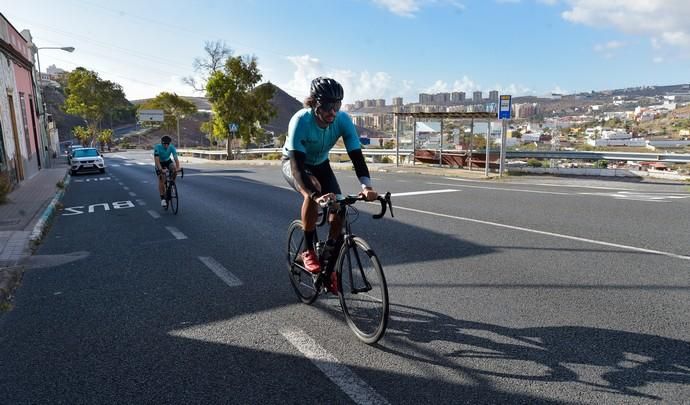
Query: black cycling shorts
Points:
[322, 172]
[167, 165]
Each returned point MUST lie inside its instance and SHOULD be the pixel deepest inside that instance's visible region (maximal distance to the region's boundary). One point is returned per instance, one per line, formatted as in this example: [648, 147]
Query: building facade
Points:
[23, 150]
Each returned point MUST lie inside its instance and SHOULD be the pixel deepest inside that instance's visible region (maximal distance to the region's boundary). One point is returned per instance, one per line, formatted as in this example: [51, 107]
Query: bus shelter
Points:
[441, 116]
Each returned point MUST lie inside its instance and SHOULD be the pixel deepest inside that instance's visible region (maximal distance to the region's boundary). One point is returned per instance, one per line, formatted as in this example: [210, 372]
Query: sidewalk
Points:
[23, 219]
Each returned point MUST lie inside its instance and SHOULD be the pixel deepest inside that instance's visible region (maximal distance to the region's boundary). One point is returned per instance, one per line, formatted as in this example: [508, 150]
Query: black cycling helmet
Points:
[166, 139]
[325, 88]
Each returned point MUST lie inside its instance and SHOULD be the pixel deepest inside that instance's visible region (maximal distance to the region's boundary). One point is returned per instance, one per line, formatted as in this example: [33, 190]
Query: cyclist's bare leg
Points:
[161, 185]
[335, 221]
[310, 209]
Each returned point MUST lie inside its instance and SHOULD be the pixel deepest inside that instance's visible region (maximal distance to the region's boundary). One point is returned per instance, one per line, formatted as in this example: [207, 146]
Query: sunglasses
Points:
[166, 144]
[330, 105]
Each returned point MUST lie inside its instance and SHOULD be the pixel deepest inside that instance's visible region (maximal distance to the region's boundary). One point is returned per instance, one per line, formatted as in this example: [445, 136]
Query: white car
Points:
[86, 160]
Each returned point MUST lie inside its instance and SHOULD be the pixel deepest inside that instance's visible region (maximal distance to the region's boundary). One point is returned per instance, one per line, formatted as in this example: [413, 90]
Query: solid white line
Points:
[448, 190]
[355, 388]
[154, 214]
[141, 163]
[500, 188]
[543, 184]
[557, 235]
[220, 271]
[176, 233]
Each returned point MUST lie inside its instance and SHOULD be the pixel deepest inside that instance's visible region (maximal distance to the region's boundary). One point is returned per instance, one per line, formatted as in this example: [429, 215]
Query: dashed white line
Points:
[141, 202]
[355, 388]
[132, 194]
[154, 214]
[220, 271]
[125, 187]
[176, 233]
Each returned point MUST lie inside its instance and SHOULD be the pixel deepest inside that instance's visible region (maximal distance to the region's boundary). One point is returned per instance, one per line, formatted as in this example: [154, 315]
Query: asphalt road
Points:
[527, 290]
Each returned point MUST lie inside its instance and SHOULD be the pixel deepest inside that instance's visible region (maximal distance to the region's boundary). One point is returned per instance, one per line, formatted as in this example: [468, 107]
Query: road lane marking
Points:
[125, 187]
[154, 214]
[544, 184]
[355, 388]
[447, 190]
[220, 271]
[141, 202]
[176, 233]
[557, 235]
[132, 194]
[626, 195]
[500, 188]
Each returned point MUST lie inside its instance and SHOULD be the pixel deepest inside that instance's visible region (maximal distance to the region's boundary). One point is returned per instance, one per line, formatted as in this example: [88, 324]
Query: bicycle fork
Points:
[352, 247]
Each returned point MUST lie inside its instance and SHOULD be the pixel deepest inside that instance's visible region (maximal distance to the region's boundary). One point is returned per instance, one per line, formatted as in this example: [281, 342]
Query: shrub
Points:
[5, 187]
[273, 156]
[386, 159]
[533, 162]
[601, 164]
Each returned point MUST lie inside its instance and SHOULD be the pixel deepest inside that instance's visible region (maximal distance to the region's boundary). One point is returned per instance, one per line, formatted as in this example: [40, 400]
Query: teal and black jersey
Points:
[164, 153]
[304, 135]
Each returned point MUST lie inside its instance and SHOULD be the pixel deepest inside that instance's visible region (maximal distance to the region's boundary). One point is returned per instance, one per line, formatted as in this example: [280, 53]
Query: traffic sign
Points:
[151, 115]
[504, 108]
[233, 127]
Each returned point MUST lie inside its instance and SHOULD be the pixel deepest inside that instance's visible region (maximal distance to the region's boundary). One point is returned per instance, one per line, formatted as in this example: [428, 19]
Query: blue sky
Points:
[376, 48]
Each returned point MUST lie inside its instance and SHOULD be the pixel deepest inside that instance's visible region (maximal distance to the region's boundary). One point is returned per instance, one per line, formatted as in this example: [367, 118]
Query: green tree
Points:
[83, 134]
[105, 137]
[174, 107]
[92, 98]
[236, 98]
[216, 54]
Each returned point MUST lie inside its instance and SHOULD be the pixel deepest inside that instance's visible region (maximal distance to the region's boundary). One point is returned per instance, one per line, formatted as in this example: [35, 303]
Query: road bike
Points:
[360, 282]
[172, 199]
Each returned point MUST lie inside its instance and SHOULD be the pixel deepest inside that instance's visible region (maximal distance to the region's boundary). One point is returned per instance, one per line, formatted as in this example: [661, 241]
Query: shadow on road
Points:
[629, 361]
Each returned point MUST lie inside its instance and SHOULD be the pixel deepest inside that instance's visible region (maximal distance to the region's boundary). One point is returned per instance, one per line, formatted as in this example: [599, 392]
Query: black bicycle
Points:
[361, 284]
[172, 199]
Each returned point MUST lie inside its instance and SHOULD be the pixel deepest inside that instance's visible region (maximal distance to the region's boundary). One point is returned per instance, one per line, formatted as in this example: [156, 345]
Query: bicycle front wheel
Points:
[173, 199]
[301, 280]
[362, 290]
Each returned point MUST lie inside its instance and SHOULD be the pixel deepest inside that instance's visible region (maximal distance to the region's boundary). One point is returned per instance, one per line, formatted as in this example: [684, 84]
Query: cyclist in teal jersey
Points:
[312, 132]
[162, 154]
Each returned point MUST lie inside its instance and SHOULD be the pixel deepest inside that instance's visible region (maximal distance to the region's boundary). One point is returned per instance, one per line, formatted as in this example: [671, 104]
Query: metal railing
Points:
[407, 154]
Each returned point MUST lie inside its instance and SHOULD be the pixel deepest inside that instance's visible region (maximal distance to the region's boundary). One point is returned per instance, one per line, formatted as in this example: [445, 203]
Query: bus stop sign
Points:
[504, 108]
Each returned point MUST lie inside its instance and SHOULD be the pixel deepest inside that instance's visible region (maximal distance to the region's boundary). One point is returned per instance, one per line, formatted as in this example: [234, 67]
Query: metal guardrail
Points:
[570, 155]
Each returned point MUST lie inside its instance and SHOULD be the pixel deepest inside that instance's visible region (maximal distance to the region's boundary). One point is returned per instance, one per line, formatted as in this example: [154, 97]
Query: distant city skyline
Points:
[378, 49]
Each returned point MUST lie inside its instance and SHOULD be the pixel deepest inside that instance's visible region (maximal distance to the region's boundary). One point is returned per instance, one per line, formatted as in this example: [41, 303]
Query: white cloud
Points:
[408, 8]
[608, 46]
[357, 85]
[679, 38]
[664, 19]
[658, 59]
[549, 2]
[559, 90]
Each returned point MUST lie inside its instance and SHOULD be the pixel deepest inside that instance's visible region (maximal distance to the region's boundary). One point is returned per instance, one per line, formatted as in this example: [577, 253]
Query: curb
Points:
[40, 226]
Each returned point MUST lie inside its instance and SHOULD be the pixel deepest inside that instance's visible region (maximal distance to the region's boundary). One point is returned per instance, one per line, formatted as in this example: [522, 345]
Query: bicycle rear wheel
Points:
[363, 290]
[173, 199]
[301, 280]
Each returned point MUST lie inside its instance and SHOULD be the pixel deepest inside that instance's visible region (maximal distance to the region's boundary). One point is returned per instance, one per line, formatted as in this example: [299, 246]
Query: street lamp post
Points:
[40, 89]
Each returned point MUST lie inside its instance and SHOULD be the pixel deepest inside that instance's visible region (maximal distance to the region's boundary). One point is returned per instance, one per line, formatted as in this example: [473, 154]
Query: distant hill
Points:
[285, 105]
